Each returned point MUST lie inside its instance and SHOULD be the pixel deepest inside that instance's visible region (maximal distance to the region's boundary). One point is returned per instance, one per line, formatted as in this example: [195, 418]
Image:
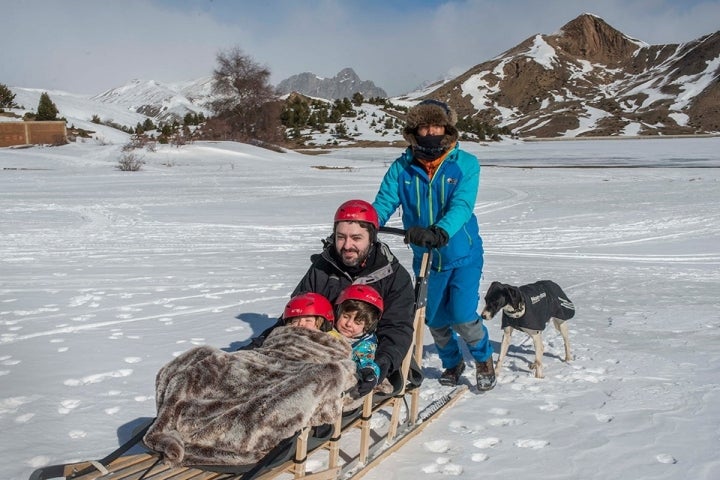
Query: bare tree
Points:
[245, 102]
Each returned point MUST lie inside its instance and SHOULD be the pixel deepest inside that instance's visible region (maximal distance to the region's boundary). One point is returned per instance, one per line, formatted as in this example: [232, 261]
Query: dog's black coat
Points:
[542, 300]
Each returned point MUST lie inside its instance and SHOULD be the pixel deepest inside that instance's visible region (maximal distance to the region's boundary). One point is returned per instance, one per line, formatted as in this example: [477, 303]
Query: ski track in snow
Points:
[105, 289]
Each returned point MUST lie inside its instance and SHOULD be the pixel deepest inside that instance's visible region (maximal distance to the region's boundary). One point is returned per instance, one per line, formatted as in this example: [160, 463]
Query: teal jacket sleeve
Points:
[387, 199]
[462, 201]
[363, 353]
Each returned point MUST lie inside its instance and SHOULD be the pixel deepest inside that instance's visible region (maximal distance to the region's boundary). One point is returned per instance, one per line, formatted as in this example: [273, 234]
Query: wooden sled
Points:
[345, 455]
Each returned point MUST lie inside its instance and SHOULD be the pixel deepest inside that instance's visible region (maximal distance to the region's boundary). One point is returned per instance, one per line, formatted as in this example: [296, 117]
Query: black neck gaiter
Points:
[428, 147]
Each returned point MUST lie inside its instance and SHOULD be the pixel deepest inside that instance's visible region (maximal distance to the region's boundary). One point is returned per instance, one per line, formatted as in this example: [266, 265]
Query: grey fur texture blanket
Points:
[220, 408]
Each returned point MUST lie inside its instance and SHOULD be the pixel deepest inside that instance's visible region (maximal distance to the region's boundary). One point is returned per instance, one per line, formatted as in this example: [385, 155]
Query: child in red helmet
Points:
[308, 310]
[359, 308]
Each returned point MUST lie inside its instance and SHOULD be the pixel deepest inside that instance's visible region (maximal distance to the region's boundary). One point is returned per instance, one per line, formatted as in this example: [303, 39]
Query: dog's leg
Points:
[539, 351]
[561, 327]
[507, 333]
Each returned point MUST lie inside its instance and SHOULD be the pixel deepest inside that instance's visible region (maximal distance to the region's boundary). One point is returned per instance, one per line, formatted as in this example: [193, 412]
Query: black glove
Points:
[367, 381]
[384, 366]
[433, 237]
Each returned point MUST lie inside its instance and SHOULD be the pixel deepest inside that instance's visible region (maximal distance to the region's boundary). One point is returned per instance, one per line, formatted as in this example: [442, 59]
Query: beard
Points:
[353, 257]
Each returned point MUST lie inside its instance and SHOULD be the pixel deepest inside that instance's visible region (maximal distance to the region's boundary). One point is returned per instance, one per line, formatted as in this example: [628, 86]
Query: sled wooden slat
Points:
[118, 468]
[374, 461]
[140, 466]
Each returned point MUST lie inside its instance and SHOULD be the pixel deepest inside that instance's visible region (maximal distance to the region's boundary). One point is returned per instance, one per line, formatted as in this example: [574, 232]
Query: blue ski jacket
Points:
[447, 200]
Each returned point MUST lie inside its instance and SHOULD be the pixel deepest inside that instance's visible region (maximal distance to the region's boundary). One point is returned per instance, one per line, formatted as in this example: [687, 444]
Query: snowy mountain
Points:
[589, 79]
[161, 102]
[343, 85]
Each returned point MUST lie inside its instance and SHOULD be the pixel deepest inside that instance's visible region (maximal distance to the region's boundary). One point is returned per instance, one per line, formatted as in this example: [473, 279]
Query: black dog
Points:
[529, 308]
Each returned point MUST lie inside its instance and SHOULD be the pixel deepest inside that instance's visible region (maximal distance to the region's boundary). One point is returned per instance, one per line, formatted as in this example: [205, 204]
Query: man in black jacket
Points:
[356, 256]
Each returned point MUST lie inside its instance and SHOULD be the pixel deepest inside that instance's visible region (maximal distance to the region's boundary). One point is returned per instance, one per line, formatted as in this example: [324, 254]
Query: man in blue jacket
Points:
[436, 185]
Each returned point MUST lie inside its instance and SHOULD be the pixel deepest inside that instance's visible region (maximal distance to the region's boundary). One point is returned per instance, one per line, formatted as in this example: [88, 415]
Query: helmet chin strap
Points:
[512, 313]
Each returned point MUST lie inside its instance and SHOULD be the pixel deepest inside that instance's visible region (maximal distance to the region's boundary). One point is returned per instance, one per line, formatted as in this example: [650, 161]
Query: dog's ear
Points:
[492, 288]
[514, 297]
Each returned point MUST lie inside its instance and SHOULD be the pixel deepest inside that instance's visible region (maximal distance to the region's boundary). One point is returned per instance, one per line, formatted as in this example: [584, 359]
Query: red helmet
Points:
[357, 211]
[309, 304]
[364, 293]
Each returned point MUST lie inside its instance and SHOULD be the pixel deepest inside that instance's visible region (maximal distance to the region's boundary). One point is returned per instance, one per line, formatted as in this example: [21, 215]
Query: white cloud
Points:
[86, 46]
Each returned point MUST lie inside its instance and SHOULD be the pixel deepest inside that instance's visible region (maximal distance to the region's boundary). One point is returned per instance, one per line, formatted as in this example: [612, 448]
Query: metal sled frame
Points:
[373, 446]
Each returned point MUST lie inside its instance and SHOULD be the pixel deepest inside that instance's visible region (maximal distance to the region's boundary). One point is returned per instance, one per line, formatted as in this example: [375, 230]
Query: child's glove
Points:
[433, 237]
[366, 381]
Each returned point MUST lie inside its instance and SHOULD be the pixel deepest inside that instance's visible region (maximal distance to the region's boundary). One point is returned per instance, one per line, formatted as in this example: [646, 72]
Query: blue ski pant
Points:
[451, 312]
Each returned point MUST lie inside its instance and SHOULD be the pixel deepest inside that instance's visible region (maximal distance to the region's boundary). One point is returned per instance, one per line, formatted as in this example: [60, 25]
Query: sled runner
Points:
[347, 448]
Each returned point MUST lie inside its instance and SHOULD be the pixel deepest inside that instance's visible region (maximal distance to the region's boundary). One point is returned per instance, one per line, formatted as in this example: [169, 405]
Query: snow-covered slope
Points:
[106, 275]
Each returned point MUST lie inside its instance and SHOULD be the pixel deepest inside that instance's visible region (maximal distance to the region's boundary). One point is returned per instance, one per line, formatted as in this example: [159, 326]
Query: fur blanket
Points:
[220, 408]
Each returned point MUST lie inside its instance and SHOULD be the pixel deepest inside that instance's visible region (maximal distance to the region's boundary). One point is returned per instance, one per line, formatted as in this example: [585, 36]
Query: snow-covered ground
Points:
[106, 275]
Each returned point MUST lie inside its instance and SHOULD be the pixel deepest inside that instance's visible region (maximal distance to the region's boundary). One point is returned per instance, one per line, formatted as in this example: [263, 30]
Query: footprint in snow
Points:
[504, 422]
[604, 418]
[24, 418]
[459, 427]
[38, 461]
[488, 442]
[443, 465]
[499, 411]
[97, 378]
[534, 444]
[67, 406]
[598, 371]
[437, 446]
[666, 458]
[81, 300]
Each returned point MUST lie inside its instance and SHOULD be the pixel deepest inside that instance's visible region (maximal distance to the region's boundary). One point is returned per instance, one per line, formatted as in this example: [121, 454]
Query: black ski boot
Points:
[485, 375]
[451, 376]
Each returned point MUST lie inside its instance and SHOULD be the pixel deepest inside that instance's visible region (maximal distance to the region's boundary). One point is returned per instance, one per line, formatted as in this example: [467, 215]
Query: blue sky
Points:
[89, 46]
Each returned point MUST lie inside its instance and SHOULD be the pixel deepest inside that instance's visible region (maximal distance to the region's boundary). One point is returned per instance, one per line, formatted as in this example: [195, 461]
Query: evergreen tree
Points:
[46, 108]
[7, 98]
[335, 114]
[357, 99]
[296, 113]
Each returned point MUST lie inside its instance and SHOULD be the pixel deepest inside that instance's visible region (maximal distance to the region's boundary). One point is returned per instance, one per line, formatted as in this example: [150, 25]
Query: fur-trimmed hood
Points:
[432, 112]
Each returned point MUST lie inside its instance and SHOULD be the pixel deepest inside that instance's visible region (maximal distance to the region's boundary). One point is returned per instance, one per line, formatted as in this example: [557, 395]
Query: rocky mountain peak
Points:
[347, 74]
[344, 84]
[590, 79]
[590, 38]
